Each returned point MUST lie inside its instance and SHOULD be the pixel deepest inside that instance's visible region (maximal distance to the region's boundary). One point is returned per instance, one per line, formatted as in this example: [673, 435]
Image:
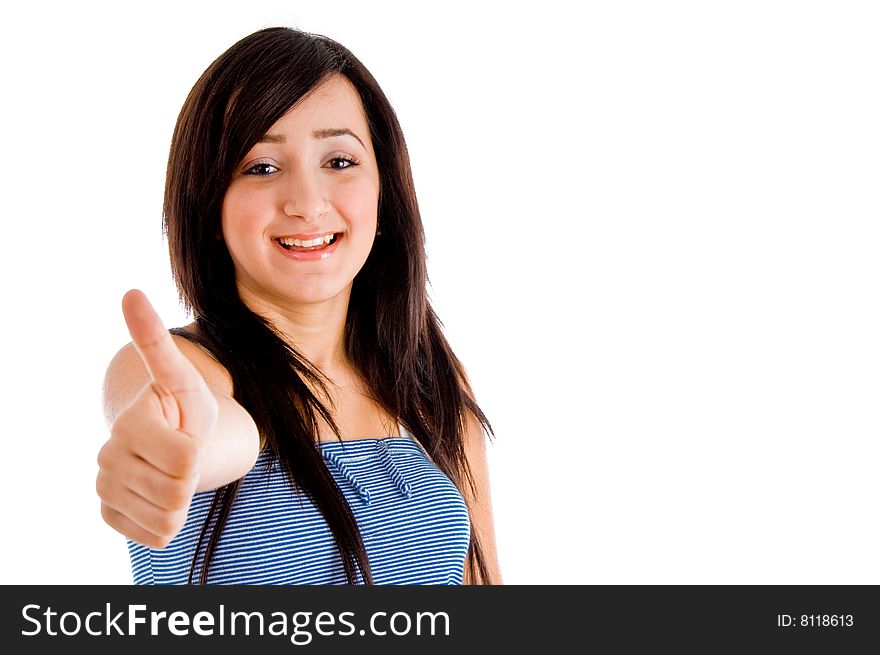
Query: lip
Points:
[314, 256]
[305, 237]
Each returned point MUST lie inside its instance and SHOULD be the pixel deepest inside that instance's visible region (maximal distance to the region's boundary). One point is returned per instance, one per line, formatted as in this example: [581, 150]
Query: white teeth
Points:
[308, 243]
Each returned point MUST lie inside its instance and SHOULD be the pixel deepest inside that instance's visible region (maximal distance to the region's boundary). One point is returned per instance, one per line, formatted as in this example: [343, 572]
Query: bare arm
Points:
[480, 503]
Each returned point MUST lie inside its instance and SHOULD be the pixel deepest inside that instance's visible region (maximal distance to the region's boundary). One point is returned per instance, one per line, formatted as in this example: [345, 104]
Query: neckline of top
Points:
[355, 441]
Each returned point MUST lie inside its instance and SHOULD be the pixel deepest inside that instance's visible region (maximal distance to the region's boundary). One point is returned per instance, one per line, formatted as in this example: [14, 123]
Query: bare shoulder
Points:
[214, 372]
[126, 374]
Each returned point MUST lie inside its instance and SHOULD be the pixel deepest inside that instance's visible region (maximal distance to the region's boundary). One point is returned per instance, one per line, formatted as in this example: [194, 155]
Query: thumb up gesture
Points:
[150, 466]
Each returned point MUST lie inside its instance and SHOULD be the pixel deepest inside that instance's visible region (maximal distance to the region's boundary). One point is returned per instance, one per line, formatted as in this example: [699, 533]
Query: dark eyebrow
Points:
[335, 131]
[325, 133]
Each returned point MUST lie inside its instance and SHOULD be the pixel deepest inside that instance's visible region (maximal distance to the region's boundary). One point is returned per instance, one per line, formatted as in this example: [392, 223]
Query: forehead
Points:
[333, 103]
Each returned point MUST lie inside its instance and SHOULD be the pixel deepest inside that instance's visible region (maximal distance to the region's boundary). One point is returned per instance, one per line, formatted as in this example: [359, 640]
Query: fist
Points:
[149, 467]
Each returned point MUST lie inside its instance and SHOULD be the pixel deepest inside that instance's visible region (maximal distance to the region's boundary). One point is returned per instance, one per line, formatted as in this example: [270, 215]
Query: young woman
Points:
[312, 425]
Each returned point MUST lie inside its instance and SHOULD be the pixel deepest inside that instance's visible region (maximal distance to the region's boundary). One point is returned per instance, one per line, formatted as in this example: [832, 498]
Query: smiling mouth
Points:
[306, 245]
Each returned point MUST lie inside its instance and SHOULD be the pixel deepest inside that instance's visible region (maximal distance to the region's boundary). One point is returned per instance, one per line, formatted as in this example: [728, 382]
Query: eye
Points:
[261, 169]
[342, 162]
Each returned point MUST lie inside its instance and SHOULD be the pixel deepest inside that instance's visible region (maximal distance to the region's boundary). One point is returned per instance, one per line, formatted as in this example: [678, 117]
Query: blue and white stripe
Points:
[413, 520]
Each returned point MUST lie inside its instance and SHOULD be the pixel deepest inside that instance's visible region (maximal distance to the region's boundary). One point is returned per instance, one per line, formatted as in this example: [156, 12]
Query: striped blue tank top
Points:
[412, 519]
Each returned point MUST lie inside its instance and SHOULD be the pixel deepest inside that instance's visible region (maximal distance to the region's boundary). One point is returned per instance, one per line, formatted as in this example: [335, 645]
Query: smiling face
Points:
[299, 216]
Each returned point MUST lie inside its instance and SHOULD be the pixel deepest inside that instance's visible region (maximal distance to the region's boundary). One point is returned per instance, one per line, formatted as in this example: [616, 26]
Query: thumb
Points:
[178, 384]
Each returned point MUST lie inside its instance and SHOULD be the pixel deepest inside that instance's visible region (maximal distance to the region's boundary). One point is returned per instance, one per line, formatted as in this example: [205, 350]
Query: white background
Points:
[652, 232]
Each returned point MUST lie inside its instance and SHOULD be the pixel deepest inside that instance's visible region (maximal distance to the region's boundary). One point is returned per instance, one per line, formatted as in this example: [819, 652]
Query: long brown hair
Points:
[392, 335]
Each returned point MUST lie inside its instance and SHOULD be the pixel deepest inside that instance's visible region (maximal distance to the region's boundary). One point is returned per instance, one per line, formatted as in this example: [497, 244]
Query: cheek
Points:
[358, 201]
[241, 218]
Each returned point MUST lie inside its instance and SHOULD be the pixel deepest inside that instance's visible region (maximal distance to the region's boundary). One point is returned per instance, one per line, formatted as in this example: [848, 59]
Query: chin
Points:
[316, 295]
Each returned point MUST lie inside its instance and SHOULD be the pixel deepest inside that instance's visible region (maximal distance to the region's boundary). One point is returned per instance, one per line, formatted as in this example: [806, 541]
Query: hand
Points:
[149, 467]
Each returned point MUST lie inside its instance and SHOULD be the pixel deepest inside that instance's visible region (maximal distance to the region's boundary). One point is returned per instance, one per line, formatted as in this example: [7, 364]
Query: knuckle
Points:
[108, 515]
[102, 485]
[124, 419]
[159, 542]
[166, 525]
[104, 456]
[112, 461]
[178, 494]
[122, 430]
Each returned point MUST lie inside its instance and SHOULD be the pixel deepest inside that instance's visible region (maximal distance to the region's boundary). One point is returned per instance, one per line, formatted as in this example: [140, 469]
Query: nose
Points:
[305, 196]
